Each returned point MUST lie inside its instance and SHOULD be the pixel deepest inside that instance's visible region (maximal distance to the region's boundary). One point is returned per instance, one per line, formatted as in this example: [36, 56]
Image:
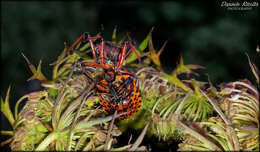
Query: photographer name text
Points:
[239, 5]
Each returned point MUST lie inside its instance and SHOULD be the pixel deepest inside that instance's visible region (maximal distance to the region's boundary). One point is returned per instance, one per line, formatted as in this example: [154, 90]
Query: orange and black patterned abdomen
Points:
[122, 95]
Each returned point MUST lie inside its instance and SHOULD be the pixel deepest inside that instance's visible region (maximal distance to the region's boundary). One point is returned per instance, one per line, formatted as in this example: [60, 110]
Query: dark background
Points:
[203, 33]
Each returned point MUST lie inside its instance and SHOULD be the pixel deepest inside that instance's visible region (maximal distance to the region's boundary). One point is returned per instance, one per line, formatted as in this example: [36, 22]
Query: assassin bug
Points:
[116, 89]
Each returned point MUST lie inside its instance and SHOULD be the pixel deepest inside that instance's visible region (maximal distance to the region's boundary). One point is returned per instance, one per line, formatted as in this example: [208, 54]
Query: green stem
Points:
[109, 131]
[51, 137]
[205, 141]
[124, 148]
[231, 132]
[17, 105]
[57, 109]
[87, 124]
[178, 110]
[85, 97]
[188, 130]
[11, 133]
[60, 60]
[6, 141]
[140, 138]
[216, 107]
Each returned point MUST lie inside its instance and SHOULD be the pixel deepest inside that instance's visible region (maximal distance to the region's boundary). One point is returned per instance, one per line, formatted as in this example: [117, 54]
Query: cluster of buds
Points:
[64, 115]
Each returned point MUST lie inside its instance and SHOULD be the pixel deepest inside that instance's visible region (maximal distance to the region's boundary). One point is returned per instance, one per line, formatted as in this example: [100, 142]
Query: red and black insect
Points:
[117, 89]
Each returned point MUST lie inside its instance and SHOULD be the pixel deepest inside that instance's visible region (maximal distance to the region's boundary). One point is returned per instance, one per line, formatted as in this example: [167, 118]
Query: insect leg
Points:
[75, 43]
[93, 64]
[122, 72]
[102, 52]
[122, 57]
[135, 51]
[91, 44]
[85, 72]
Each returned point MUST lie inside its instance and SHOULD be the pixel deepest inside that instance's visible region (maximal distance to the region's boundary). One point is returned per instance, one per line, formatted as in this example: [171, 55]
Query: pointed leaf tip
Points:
[31, 66]
[145, 42]
[5, 108]
[114, 35]
[181, 68]
[160, 51]
[254, 69]
[37, 74]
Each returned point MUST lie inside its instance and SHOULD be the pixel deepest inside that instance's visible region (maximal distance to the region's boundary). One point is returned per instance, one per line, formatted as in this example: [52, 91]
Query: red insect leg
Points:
[122, 57]
[93, 64]
[79, 39]
[92, 46]
[125, 72]
[90, 42]
[135, 51]
[102, 52]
